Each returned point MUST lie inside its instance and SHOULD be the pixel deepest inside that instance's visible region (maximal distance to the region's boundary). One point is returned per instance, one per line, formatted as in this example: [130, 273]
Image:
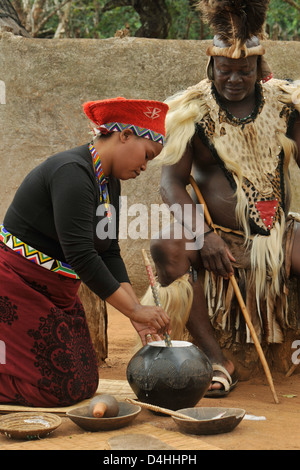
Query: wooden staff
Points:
[240, 299]
[155, 293]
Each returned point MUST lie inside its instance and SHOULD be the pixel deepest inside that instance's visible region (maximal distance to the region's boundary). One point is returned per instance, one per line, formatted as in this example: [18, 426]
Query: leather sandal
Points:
[227, 382]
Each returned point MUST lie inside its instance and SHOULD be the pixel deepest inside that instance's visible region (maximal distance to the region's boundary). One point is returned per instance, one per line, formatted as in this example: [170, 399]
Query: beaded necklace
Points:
[259, 104]
[102, 181]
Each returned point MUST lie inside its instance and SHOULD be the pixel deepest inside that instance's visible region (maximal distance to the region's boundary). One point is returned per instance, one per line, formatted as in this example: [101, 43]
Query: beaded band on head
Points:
[146, 118]
[138, 131]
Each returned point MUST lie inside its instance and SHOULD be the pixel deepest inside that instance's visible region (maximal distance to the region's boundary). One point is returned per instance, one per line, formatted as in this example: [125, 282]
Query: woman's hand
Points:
[216, 257]
[146, 334]
[148, 320]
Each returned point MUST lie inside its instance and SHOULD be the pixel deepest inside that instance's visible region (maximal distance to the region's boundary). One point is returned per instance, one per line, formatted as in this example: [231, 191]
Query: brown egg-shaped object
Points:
[104, 406]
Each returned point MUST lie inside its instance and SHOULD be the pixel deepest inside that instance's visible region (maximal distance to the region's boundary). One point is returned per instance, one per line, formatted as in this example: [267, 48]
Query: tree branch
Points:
[44, 21]
[293, 4]
[111, 4]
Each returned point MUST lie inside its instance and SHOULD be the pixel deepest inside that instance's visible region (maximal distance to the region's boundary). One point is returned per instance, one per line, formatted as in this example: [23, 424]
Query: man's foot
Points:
[223, 381]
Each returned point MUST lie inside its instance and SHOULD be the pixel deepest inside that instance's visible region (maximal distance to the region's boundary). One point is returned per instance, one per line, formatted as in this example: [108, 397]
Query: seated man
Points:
[236, 131]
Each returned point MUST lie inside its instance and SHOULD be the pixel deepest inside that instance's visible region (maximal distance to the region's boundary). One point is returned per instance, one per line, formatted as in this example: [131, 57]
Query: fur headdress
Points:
[237, 25]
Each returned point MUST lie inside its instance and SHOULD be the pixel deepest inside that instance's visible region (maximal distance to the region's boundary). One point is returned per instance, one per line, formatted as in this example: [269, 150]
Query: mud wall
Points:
[43, 84]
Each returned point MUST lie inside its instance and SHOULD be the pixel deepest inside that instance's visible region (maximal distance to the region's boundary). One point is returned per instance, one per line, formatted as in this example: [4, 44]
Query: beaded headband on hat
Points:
[264, 72]
[146, 118]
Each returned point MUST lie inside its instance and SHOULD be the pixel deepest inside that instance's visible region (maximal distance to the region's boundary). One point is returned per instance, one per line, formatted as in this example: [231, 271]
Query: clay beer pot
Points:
[170, 377]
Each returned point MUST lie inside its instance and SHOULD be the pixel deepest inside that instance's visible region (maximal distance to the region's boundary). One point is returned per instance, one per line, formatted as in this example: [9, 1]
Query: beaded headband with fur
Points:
[238, 26]
[235, 23]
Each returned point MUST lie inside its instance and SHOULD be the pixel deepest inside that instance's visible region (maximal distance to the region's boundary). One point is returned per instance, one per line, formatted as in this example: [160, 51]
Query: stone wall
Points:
[43, 84]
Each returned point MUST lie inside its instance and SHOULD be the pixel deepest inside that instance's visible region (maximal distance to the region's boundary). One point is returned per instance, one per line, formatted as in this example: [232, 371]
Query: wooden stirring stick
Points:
[167, 338]
[240, 299]
[158, 409]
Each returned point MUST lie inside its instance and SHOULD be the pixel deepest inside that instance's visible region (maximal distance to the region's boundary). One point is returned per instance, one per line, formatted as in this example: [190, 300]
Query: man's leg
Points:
[200, 327]
[173, 260]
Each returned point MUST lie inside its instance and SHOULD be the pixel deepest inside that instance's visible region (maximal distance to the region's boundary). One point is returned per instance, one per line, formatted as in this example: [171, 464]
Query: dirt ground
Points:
[280, 430]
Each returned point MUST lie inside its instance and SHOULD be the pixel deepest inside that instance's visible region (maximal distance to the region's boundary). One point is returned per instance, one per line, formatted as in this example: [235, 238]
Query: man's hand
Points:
[216, 257]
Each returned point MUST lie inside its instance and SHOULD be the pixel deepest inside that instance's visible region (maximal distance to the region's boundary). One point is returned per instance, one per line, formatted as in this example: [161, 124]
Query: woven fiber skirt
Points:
[47, 357]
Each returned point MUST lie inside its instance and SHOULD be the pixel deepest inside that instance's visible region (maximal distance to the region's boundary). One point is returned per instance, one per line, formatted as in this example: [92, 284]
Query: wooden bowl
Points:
[211, 420]
[28, 425]
[127, 413]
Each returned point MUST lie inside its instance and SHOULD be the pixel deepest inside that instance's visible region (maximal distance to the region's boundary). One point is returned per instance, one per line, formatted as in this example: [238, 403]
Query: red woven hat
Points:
[145, 117]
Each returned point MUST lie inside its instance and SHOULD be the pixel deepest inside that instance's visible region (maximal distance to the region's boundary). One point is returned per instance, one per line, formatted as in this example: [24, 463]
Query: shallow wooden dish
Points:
[127, 413]
[208, 423]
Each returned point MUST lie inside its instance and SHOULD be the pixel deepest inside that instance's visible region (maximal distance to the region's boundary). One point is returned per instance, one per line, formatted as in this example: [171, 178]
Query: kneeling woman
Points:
[48, 245]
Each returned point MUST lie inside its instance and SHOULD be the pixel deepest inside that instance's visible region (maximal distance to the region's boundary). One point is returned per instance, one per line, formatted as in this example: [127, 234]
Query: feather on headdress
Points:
[234, 23]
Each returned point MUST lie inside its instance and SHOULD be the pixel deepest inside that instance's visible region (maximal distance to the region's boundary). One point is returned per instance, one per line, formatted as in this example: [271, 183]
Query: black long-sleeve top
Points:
[54, 211]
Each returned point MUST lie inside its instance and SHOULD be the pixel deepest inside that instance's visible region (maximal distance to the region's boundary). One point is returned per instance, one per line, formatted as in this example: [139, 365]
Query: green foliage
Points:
[183, 19]
[86, 20]
[117, 19]
[287, 17]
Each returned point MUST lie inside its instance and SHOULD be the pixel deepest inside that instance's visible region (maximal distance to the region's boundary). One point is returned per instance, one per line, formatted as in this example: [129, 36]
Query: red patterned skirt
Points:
[47, 357]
